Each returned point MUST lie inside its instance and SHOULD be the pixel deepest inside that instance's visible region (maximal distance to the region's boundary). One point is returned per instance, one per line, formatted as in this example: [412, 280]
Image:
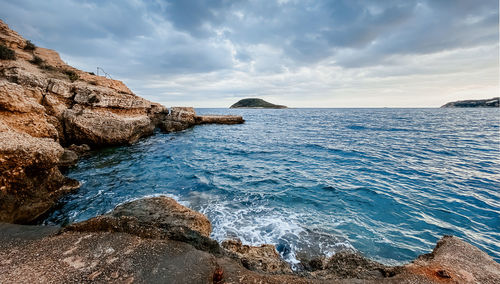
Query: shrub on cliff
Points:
[29, 46]
[37, 60]
[6, 53]
[72, 75]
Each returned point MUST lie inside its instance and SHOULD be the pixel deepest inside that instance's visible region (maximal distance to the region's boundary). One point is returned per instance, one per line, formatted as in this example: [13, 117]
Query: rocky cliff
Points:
[46, 105]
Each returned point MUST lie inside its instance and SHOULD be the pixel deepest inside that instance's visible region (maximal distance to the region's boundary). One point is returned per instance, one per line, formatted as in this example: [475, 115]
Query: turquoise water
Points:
[386, 182]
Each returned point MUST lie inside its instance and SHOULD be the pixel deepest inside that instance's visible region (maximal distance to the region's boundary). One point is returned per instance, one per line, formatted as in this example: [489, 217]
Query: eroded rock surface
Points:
[156, 218]
[47, 99]
[30, 180]
[134, 244]
[262, 258]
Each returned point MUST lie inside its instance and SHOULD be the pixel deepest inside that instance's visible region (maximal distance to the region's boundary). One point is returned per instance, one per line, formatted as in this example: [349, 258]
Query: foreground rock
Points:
[156, 218]
[151, 240]
[255, 103]
[46, 104]
[263, 258]
[493, 102]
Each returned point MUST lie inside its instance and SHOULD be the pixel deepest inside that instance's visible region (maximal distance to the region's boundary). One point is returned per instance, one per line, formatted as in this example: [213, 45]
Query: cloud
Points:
[214, 51]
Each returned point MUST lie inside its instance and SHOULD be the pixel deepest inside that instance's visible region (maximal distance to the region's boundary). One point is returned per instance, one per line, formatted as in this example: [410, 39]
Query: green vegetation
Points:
[71, 75]
[255, 103]
[48, 67]
[37, 60]
[493, 102]
[6, 53]
[29, 46]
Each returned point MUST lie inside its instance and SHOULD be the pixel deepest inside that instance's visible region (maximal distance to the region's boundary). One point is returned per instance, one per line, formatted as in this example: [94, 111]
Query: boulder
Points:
[157, 218]
[80, 150]
[262, 258]
[455, 261]
[68, 158]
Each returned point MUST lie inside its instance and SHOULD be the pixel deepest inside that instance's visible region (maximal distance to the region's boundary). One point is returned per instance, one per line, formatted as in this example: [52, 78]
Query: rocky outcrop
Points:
[30, 180]
[151, 240]
[181, 118]
[262, 258]
[493, 102]
[157, 218]
[41, 97]
[454, 260]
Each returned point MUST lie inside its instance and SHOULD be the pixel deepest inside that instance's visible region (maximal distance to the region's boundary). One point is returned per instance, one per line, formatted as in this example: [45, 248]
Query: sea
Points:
[387, 183]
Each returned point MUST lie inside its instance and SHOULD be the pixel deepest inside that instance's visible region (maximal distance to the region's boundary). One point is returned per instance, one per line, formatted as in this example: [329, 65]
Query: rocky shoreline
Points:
[51, 114]
[158, 240]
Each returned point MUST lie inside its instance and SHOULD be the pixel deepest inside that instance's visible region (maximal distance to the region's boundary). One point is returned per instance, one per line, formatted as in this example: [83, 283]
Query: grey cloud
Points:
[159, 38]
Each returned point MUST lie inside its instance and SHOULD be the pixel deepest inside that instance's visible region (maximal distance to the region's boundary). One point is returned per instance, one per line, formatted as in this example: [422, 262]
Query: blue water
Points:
[386, 182]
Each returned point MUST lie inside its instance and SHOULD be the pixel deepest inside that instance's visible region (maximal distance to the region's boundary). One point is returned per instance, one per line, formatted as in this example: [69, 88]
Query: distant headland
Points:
[493, 102]
[255, 103]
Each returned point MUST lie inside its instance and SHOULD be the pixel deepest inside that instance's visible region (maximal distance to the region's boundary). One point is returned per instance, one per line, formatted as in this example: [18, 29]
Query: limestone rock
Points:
[102, 127]
[219, 119]
[30, 182]
[263, 258]
[80, 150]
[454, 260]
[157, 218]
[347, 264]
[181, 118]
[68, 158]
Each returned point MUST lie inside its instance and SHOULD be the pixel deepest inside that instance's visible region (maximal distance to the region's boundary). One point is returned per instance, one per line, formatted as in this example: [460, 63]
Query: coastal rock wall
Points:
[43, 98]
[30, 181]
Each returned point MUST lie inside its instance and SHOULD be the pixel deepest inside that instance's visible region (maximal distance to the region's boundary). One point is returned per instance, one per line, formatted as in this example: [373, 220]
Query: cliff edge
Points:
[50, 112]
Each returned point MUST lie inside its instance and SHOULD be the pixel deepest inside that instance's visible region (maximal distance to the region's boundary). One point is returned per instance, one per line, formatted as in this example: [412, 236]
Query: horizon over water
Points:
[388, 182]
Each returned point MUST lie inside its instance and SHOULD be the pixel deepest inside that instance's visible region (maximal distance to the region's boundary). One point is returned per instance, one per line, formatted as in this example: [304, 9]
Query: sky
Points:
[299, 53]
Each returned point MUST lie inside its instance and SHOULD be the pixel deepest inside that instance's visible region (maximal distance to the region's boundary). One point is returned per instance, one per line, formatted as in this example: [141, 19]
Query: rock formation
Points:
[493, 102]
[46, 105]
[158, 240]
[255, 103]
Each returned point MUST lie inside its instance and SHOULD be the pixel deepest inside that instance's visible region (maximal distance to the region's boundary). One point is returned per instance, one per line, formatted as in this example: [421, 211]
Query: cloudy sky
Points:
[301, 53]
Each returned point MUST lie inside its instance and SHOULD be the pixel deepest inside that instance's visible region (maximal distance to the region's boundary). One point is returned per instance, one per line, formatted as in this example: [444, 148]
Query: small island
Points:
[493, 102]
[255, 103]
